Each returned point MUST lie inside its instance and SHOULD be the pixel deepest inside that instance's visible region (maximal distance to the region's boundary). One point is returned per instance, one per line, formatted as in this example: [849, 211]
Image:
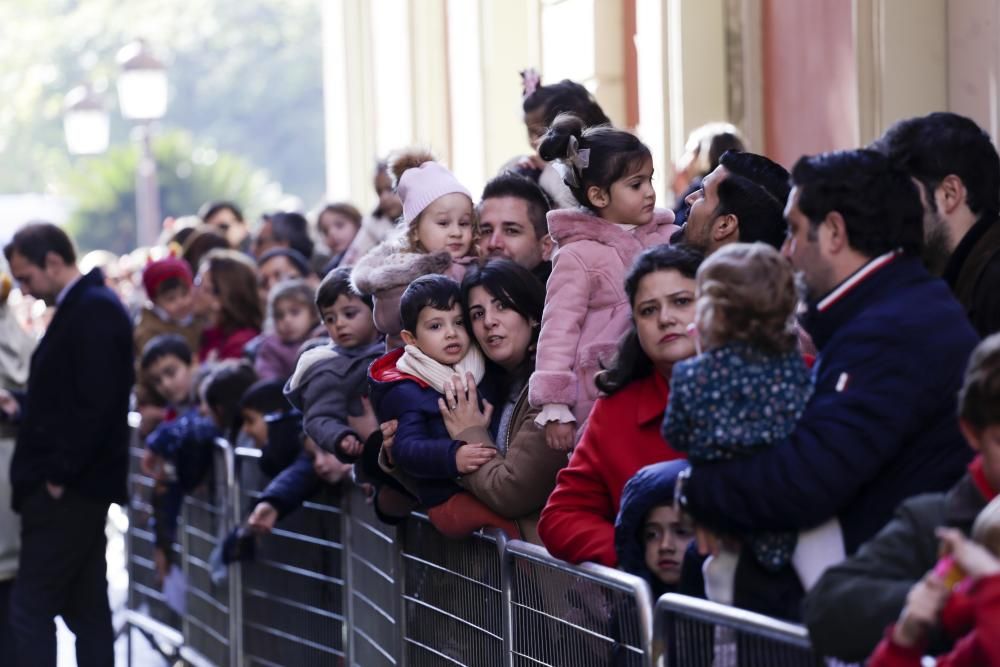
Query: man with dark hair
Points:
[741, 200]
[71, 458]
[957, 170]
[284, 230]
[881, 424]
[512, 223]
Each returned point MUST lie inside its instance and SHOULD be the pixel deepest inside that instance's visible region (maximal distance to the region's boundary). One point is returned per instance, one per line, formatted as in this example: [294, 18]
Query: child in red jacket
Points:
[968, 608]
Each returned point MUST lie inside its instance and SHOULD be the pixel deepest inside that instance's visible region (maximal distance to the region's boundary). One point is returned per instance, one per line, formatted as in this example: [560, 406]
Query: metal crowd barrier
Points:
[691, 632]
[332, 585]
[293, 590]
[578, 615]
[211, 627]
[147, 610]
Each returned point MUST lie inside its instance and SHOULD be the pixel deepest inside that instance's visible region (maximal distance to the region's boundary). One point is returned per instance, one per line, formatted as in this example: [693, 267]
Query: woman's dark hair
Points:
[631, 362]
[565, 96]
[224, 390]
[234, 278]
[336, 284]
[203, 240]
[515, 287]
[434, 291]
[165, 345]
[265, 397]
[297, 259]
[613, 153]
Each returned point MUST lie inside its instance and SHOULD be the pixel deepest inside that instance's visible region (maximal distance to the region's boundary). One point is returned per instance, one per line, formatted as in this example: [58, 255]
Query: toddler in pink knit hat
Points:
[439, 226]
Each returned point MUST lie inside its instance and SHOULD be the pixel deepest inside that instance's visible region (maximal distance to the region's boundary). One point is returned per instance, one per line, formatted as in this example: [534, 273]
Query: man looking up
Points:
[741, 200]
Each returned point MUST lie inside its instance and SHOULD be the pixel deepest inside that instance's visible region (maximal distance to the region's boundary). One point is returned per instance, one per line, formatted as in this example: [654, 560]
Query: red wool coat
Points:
[622, 436]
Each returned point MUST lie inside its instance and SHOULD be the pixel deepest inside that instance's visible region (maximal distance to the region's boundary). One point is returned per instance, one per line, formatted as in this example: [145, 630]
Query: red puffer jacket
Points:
[621, 436]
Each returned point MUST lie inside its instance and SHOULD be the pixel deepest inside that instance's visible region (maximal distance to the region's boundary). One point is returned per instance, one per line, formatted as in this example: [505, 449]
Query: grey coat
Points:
[327, 387]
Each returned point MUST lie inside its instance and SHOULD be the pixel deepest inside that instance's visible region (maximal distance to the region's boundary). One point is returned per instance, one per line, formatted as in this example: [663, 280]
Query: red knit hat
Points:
[164, 269]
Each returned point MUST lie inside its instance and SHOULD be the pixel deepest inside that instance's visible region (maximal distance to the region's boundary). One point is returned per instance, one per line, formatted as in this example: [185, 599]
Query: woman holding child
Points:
[502, 306]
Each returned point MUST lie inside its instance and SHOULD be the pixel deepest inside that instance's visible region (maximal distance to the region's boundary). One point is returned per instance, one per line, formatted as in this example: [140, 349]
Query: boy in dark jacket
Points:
[330, 380]
[853, 602]
[412, 385]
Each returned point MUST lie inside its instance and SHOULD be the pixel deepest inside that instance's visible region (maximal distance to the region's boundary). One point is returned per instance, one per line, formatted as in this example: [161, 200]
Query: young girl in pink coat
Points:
[610, 173]
[439, 233]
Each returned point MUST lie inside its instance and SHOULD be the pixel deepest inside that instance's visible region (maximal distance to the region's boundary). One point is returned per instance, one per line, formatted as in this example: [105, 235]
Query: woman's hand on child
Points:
[366, 423]
[460, 408]
[559, 436]
[471, 457]
[972, 558]
[923, 606]
[351, 445]
[263, 518]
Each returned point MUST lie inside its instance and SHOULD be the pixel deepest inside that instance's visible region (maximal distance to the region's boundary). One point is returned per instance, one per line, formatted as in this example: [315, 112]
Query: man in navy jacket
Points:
[893, 343]
[71, 458]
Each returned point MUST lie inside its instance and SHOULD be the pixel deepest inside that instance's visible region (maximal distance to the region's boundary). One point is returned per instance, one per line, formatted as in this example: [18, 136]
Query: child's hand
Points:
[972, 558]
[460, 409]
[560, 436]
[351, 446]
[263, 518]
[470, 457]
[152, 464]
[923, 606]
[366, 423]
[8, 404]
[389, 437]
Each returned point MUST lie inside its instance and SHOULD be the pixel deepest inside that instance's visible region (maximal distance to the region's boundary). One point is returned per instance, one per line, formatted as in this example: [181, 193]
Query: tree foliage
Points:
[245, 77]
[102, 189]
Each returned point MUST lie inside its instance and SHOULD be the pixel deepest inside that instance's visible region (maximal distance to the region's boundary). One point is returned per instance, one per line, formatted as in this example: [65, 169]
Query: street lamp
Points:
[85, 122]
[142, 96]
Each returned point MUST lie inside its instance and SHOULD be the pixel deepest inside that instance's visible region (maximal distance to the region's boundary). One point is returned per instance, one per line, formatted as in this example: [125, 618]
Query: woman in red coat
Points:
[226, 295]
[622, 434]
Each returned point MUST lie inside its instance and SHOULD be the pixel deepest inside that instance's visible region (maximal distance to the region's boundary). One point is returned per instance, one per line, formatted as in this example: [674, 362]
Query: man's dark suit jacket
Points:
[73, 428]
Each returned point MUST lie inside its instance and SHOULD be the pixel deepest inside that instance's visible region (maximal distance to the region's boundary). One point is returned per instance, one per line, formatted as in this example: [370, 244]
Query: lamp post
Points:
[142, 96]
[85, 122]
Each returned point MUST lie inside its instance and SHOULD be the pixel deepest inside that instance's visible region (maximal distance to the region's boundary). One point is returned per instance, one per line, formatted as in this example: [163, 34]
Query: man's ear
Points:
[598, 197]
[953, 194]
[54, 261]
[548, 246]
[836, 232]
[725, 228]
[408, 337]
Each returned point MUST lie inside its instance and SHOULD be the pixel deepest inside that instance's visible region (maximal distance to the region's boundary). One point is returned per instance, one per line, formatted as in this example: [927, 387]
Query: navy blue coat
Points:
[880, 427]
[292, 486]
[422, 448]
[73, 424]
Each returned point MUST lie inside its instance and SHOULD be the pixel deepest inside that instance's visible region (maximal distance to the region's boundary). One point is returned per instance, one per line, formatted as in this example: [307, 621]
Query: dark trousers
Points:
[62, 572]
[7, 652]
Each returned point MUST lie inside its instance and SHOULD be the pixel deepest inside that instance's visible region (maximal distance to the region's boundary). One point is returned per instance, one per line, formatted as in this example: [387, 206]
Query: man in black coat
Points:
[957, 171]
[71, 458]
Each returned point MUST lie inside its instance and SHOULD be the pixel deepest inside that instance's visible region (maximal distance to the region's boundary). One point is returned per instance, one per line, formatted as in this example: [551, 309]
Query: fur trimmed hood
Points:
[567, 225]
[387, 266]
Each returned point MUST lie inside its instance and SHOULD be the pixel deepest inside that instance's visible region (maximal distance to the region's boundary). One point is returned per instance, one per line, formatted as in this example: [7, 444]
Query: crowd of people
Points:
[789, 403]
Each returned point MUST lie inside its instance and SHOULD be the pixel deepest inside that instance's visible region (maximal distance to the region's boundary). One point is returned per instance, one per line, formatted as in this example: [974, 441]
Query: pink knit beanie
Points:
[419, 186]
